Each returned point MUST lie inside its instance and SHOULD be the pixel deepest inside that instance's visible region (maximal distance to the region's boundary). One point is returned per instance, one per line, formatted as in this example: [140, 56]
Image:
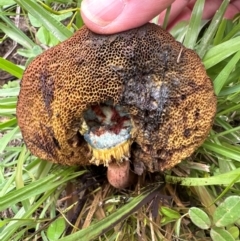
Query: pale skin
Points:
[113, 16]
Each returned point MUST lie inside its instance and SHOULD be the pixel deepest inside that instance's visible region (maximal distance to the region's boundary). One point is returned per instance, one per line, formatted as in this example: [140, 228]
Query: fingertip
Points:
[185, 15]
[129, 14]
[176, 9]
[231, 12]
[98, 14]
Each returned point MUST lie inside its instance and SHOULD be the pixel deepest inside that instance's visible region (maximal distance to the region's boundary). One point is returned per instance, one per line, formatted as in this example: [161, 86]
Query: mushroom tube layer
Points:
[140, 88]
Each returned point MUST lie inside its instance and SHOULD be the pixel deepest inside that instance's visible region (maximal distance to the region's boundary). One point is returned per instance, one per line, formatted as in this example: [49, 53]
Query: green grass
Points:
[198, 199]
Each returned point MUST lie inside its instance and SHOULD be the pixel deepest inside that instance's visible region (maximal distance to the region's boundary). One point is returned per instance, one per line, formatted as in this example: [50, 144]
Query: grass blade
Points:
[37, 187]
[194, 25]
[224, 74]
[227, 151]
[51, 24]
[11, 68]
[110, 221]
[222, 179]
[6, 138]
[220, 52]
[211, 30]
[9, 92]
[15, 33]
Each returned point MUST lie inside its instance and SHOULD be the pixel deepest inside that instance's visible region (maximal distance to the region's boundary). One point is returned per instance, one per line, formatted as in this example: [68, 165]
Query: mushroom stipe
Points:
[138, 96]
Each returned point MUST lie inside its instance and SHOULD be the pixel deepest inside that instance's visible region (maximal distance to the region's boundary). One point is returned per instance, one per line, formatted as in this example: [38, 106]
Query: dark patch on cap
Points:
[47, 90]
[187, 132]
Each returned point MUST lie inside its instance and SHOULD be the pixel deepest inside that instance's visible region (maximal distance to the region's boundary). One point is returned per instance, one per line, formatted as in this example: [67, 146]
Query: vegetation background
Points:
[197, 200]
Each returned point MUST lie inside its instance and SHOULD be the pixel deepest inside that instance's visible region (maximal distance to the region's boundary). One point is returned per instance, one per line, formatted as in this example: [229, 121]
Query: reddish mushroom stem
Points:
[119, 175]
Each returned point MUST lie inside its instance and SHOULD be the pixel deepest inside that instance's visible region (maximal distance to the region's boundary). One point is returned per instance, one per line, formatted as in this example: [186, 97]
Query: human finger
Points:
[209, 11]
[233, 9]
[111, 16]
[176, 9]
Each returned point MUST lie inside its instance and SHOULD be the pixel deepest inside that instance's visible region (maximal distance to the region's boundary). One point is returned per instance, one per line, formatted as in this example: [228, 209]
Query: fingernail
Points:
[102, 12]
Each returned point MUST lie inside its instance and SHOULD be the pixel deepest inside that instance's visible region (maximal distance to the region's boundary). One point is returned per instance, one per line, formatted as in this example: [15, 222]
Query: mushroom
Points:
[133, 100]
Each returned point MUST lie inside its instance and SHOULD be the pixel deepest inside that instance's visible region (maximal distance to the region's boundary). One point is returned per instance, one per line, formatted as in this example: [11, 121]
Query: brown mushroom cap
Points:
[163, 86]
